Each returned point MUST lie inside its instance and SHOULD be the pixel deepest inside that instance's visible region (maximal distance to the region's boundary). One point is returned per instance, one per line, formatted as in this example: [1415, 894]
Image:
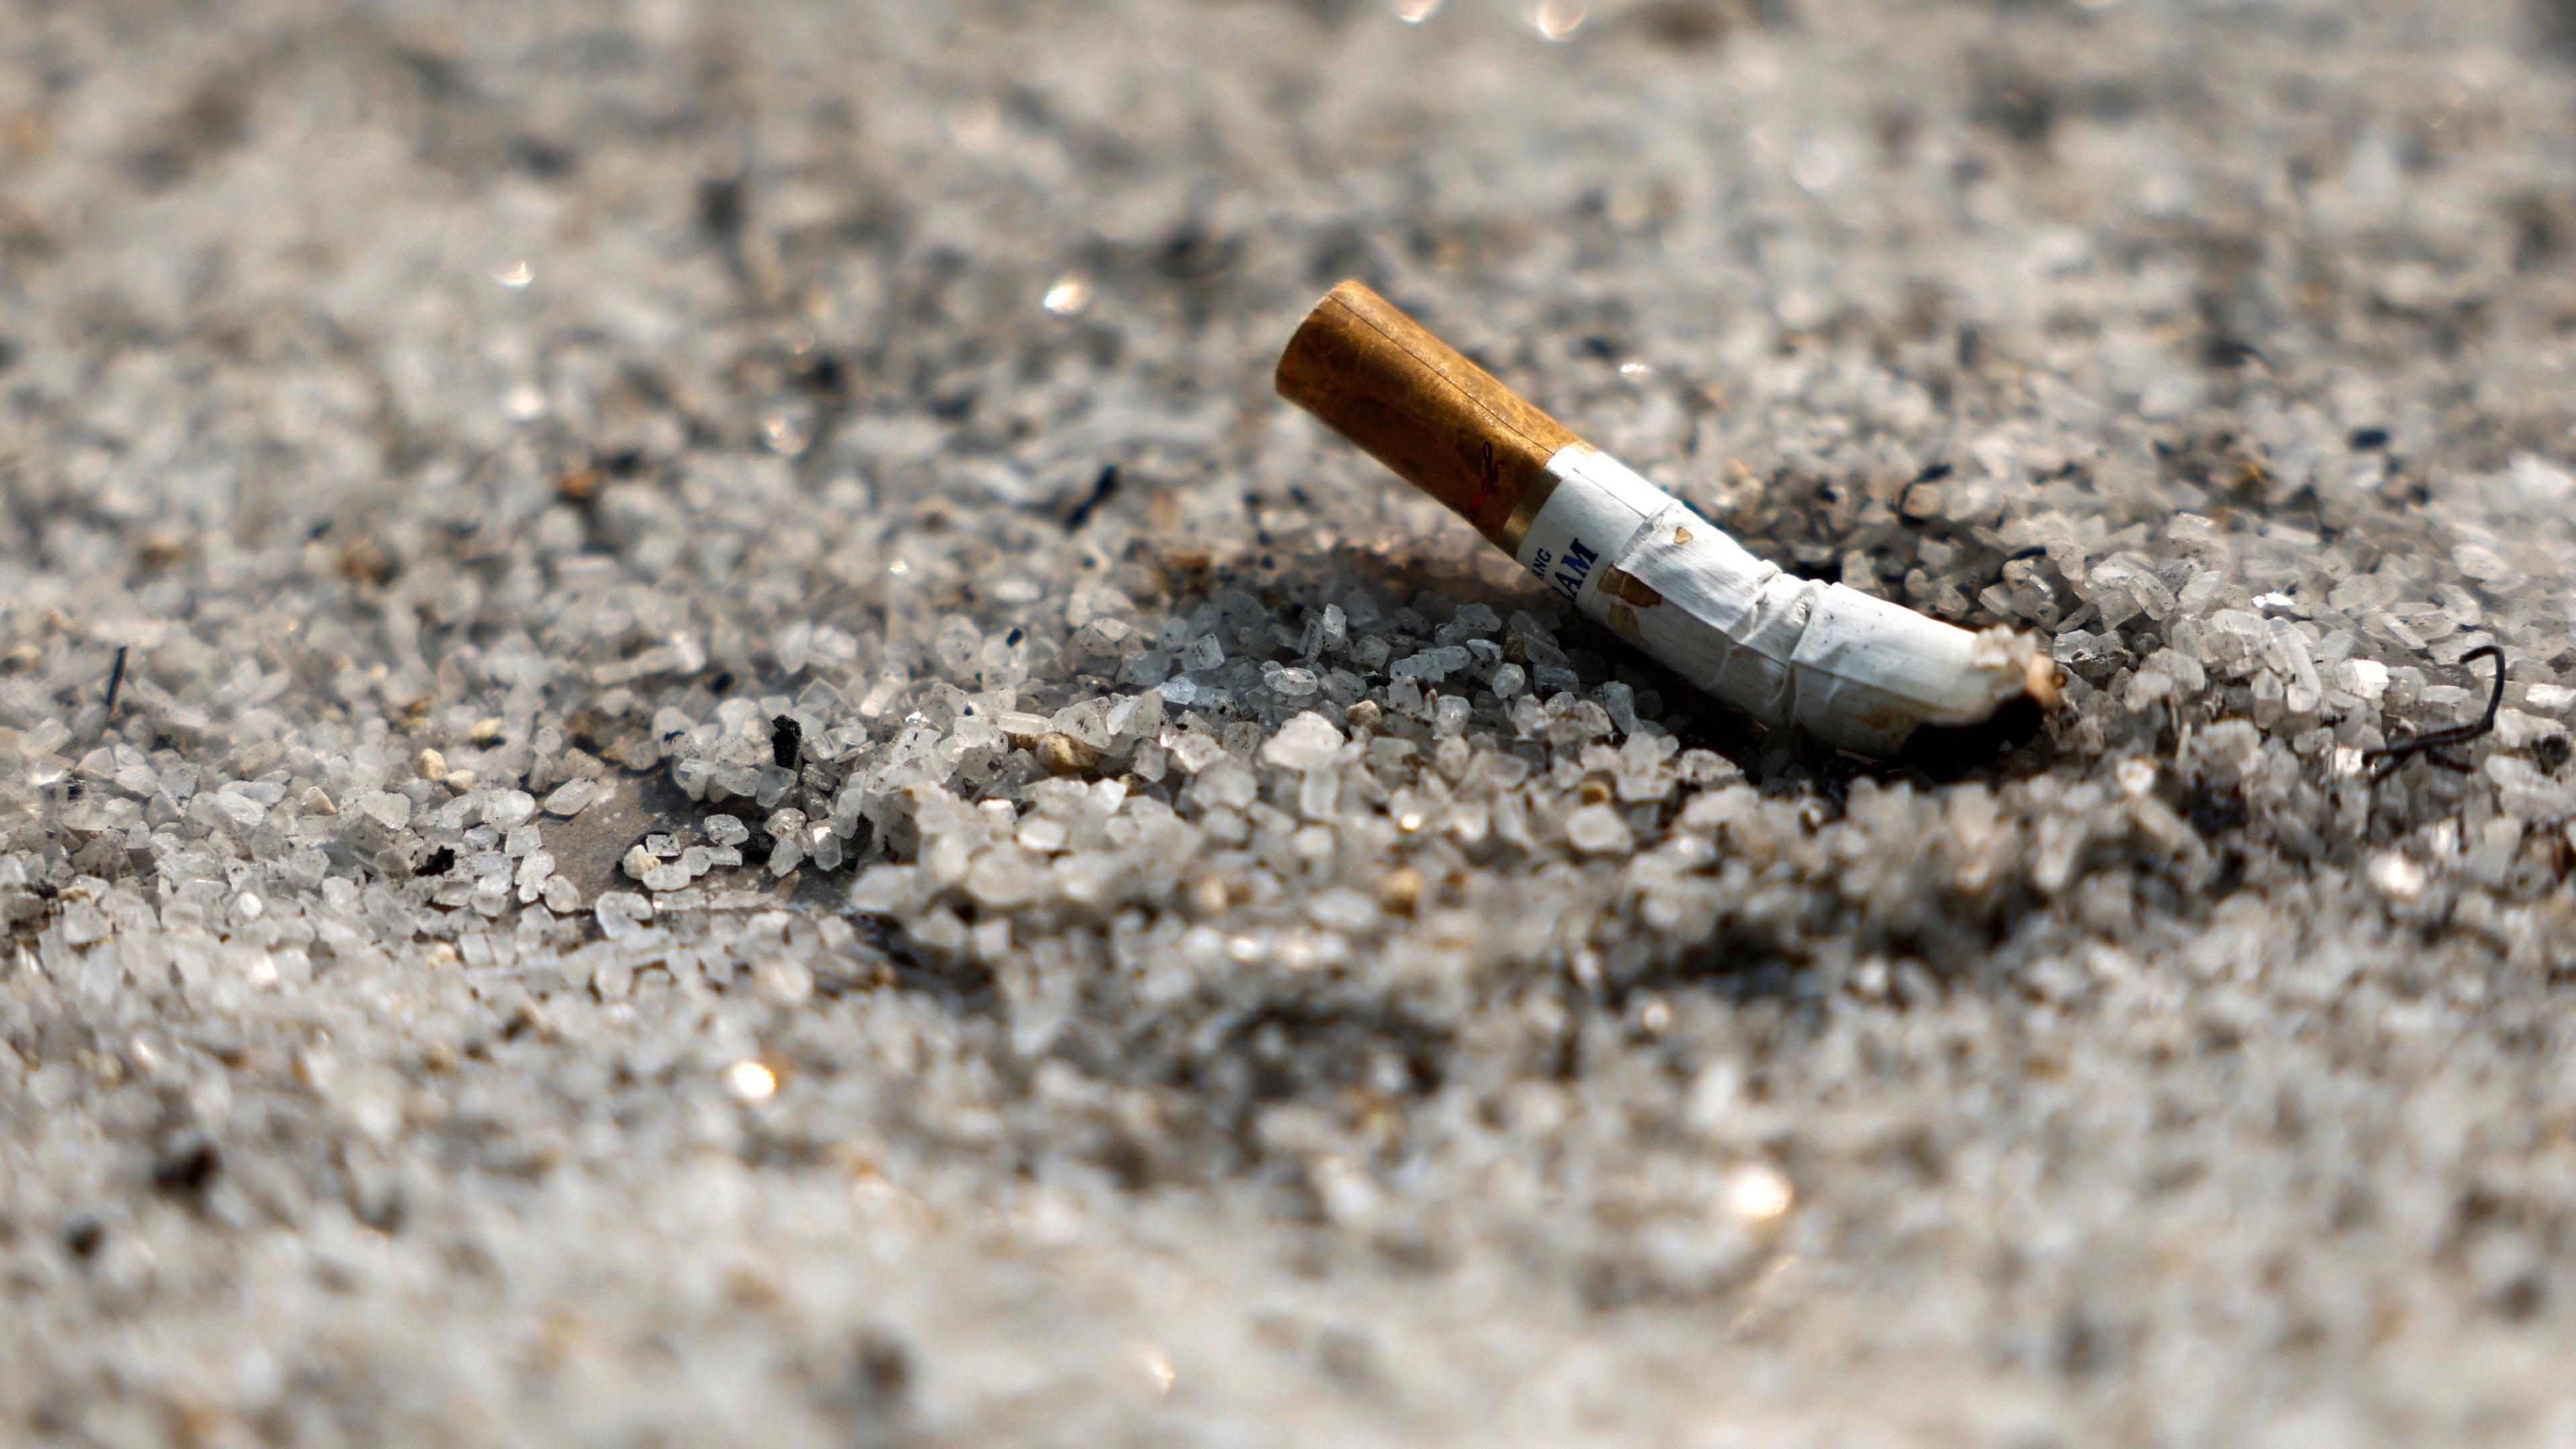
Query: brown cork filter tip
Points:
[1373, 375]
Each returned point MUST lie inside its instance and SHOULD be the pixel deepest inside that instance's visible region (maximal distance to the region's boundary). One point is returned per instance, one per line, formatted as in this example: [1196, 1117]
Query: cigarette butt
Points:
[1852, 669]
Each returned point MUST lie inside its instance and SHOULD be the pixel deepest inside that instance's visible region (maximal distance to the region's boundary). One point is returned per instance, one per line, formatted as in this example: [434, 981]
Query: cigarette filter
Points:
[1853, 670]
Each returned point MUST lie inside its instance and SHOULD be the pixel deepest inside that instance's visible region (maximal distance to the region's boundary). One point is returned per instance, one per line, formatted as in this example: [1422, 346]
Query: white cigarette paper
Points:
[1855, 671]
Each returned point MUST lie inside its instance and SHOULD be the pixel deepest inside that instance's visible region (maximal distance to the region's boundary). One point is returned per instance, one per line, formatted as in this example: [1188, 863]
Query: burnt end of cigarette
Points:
[1851, 669]
[1444, 425]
